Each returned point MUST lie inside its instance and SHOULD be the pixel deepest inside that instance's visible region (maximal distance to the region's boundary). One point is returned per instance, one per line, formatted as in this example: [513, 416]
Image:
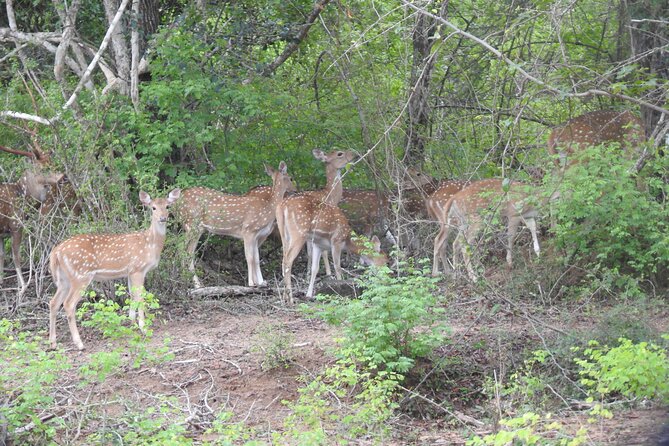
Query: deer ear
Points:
[283, 168]
[174, 196]
[144, 198]
[318, 154]
[377, 244]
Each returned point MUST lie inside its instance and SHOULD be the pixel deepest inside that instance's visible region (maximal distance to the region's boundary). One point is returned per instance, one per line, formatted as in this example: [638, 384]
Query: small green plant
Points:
[631, 369]
[159, 426]
[395, 321]
[229, 433]
[114, 324]
[530, 429]
[348, 400]
[27, 377]
[276, 345]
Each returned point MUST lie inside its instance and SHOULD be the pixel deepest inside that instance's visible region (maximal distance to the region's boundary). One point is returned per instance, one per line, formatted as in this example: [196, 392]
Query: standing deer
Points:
[332, 194]
[303, 219]
[475, 205]
[248, 217]
[436, 209]
[591, 129]
[33, 184]
[83, 258]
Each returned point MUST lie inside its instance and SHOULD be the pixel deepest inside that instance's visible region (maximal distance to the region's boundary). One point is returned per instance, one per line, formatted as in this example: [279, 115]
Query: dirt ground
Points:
[217, 366]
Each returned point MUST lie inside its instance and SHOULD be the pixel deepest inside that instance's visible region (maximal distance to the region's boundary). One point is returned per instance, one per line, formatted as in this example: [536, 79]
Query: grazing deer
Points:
[474, 206]
[365, 209]
[436, 205]
[591, 129]
[248, 217]
[33, 184]
[303, 219]
[83, 258]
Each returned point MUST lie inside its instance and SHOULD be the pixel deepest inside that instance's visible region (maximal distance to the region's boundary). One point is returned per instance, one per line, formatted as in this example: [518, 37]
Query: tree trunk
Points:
[418, 106]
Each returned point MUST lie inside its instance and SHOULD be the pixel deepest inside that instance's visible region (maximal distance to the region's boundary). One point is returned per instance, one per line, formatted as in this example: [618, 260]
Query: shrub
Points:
[395, 321]
[610, 219]
[637, 370]
[27, 377]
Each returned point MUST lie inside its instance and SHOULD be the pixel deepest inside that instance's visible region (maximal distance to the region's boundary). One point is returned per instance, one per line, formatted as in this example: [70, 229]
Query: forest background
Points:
[146, 94]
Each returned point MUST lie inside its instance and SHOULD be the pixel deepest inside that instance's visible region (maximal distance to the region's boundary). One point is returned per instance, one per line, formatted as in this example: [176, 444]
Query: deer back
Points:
[595, 128]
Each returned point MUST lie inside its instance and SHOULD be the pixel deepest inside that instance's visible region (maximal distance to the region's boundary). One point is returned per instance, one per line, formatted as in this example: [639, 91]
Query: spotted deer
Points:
[365, 209]
[332, 194]
[304, 219]
[79, 260]
[436, 209]
[33, 185]
[247, 217]
[470, 209]
[591, 129]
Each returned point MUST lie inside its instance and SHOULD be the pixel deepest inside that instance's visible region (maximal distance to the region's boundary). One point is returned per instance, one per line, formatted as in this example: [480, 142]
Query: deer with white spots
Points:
[304, 219]
[591, 129]
[333, 192]
[313, 218]
[436, 209]
[475, 206]
[248, 217]
[34, 184]
[79, 260]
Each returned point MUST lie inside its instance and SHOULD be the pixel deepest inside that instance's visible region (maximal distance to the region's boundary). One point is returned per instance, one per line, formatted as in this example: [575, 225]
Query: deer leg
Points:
[70, 305]
[467, 239]
[290, 253]
[512, 230]
[315, 261]
[323, 255]
[252, 259]
[336, 260]
[193, 236]
[136, 287]
[440, 250]
[54, 305]
[16, 254]
[531, 224]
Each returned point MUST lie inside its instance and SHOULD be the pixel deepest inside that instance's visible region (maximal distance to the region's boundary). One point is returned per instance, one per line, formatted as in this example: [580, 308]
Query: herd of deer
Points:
[313, 218]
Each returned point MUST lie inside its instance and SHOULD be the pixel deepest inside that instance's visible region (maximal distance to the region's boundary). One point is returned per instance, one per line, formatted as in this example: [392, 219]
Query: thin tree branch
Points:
[525, 74]
[295, 43]
[91, 66]
[25, 116]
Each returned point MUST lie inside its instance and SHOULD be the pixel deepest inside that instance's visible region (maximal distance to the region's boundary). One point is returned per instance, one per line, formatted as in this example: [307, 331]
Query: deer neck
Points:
[25, 187]
[278, 192]
[333, 189]
[156, 234]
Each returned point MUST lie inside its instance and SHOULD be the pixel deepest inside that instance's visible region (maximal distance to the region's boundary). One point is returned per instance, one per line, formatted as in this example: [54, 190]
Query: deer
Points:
[469, 209]
[247, 217]
[591, 129]
[365, 209]
[304, 219]
[79, 260]
[33, 185]
[435, 205]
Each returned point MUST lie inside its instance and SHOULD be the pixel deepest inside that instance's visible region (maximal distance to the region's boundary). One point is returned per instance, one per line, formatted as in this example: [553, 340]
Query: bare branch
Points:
[295, 43]
[525, 74]
[25, 116]
[94, 62]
